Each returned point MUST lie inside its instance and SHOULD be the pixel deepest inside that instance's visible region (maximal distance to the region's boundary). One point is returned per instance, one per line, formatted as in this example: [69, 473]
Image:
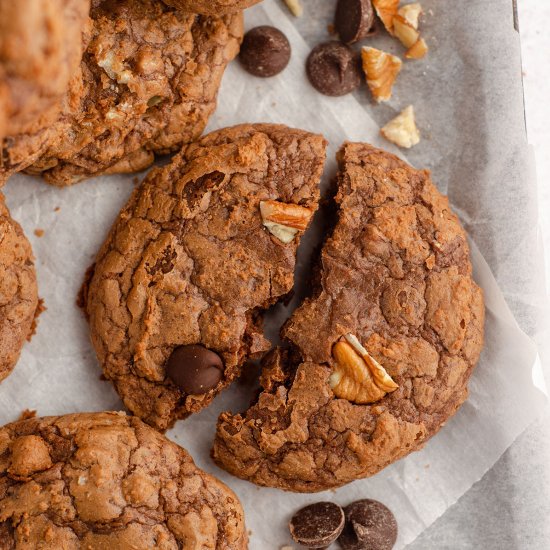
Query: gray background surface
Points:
[475, 59]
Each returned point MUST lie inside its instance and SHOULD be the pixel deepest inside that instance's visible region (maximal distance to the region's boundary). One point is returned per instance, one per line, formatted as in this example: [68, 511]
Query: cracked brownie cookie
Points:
[147, 84]
[380, 355]
[41, 44]
[212, 7]
[106, 480]
[18, 291]
[202, 248]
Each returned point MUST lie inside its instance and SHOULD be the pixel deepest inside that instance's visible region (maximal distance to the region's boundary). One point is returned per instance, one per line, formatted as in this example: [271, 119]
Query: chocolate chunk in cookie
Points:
[202, 248]
[333, 69]
[369, 526]
[317, 525]
[147, 84]
[194, 369]
[265, 51]
[353, 19]
[41, 43]
[212, 7]
[380, 355]
[117, 484]
[18, 290]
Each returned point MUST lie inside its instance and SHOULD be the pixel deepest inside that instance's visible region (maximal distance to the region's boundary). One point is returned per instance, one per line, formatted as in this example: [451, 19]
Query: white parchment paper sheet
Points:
[58, 372]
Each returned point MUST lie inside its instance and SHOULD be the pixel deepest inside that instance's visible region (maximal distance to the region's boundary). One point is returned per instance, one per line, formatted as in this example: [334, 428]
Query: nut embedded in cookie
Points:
[357, 376]
[176, 298]
[284, 221]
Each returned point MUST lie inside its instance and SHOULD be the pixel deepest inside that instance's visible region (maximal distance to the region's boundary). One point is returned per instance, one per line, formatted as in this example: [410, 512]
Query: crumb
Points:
[57, 209]
[426, 466]
[331, 29]
[250, 532]
[26, 414]
[135, 180]
[39, 309]
[287, 548]
[39, 232]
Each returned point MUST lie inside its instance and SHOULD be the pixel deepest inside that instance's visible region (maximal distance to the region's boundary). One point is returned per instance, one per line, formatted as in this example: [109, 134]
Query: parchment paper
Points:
[58, 372]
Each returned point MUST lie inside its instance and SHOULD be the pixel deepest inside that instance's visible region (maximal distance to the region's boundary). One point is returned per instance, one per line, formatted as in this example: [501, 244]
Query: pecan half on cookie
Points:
[107, 480]
[212, 7]
[147, 84]
[201, 249]
[380, 356]
[18, 291]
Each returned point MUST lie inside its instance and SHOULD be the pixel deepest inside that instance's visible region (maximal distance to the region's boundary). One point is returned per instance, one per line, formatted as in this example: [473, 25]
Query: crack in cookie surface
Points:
[147, 84]
[106, 480]
[189, 262]
[395, 273]
[18, 290]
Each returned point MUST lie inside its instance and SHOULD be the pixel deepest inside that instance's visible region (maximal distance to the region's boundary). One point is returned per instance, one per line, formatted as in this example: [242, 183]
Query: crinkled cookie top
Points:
[41, 44]
[380, 355]
[147, 84]
[106, 480]
[18, 291]
[190, 261]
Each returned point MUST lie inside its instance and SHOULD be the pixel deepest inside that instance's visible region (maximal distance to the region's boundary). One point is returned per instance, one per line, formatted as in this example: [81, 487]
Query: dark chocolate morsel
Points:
[194, 369]
[317, 525]
[333, 69]
[353, 19]
[265, 51]
[369, 526]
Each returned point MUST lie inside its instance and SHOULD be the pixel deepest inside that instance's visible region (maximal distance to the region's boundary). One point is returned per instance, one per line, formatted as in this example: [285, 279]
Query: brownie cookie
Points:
[41, 44]
[106, 480]
[18, 291]
[202, 248]
[147, 84]
[380, 356]
[212, 7]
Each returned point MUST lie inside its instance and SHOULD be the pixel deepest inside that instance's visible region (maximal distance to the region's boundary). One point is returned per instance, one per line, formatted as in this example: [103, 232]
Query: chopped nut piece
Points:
[381, 70]
[284, 220]
[357, 376]
[402, 129]
[295, 7]
[411, 13]
[386, 10]
[404, 31]
[418, 50]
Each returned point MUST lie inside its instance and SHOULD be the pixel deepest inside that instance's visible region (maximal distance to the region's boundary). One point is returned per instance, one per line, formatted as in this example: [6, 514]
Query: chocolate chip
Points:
[369, 526]
[353, 19]
[194, 369]
[265, 51]
[333, 69]
[317, 525]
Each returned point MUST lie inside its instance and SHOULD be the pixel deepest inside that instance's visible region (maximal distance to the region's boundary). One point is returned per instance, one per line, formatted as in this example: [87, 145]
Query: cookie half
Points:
[212, 7]
[18, 290]
[41, 44]
[106, 480]
[380, 356]
[147, 84]
[202, 248]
